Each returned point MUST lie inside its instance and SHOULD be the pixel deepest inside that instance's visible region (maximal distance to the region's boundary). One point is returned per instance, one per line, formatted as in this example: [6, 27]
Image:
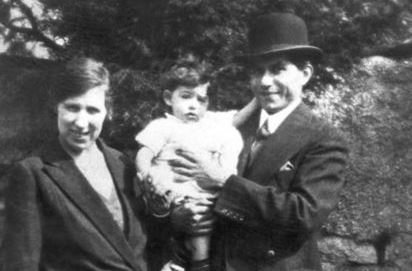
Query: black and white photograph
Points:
[205, 135]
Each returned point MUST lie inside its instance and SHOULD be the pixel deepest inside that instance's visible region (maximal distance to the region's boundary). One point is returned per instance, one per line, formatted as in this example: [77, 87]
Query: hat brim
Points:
[311, 53]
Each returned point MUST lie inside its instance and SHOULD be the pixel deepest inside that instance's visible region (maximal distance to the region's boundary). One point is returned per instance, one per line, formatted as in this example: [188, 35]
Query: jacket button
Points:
[271, 253]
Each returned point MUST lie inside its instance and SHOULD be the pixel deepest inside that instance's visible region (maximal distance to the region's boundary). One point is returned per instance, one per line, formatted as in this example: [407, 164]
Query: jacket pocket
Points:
[251, 245]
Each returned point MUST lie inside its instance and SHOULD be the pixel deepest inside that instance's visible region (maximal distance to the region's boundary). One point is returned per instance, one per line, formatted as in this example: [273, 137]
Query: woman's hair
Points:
[188, 73]
[76, 77]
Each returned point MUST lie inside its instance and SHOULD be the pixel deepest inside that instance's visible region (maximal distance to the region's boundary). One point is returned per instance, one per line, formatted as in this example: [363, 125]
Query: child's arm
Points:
[143, 161]
[151, 139]
[243, 114]
[157, 201]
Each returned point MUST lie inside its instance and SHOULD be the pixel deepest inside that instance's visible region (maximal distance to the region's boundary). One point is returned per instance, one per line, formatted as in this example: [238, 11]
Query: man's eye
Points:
[275, 69]
[257, 70]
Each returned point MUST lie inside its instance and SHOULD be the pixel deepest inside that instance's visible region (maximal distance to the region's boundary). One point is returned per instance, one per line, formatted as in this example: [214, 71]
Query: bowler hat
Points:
[280, 33]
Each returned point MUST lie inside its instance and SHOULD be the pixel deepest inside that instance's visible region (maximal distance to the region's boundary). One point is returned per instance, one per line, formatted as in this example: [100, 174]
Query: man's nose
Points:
[267, 79]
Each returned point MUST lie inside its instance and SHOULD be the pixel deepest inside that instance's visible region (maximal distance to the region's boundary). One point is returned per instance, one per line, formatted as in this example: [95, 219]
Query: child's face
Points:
[188, 104]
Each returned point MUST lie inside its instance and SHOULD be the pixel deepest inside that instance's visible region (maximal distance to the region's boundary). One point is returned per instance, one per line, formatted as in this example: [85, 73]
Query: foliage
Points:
[139, 39]
[136, 99]
[373, 106]
[143, 34]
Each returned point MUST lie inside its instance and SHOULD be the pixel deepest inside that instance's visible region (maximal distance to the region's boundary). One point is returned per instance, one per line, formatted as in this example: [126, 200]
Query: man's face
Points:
[277, 82]
[188, 104]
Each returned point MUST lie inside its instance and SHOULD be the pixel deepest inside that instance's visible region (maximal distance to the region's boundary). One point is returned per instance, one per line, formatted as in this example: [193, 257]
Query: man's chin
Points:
[272, 109]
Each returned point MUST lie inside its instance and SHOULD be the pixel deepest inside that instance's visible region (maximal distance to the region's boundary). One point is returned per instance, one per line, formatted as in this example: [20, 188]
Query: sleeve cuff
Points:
[231, 200]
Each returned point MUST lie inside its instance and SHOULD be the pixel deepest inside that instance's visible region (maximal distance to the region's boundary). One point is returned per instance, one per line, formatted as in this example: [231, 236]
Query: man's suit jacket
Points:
[272, 211]
[56, 221]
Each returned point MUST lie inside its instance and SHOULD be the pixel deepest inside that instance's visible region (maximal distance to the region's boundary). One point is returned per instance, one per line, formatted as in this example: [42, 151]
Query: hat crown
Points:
[279, 32]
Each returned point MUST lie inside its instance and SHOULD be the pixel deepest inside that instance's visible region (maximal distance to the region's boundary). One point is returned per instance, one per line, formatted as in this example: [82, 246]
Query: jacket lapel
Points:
[280, 146]
[63, 171]
[116, 167]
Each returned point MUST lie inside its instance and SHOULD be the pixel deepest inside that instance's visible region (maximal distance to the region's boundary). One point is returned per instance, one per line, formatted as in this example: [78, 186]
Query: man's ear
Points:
[167, 97]
[307, 73]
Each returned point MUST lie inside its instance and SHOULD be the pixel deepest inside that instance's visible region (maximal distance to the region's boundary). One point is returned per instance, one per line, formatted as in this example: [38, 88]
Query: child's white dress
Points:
[212, 136]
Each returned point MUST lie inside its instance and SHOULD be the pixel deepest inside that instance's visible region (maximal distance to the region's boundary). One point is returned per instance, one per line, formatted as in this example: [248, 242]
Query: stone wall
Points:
[371, 228]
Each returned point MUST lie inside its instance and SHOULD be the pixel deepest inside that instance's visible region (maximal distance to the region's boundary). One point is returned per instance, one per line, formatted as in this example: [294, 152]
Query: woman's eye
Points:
[93, 110]
[71, 107]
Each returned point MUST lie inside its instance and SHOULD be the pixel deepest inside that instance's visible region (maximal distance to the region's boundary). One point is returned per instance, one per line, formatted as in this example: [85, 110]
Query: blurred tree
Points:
[143, 34]
[141, 37]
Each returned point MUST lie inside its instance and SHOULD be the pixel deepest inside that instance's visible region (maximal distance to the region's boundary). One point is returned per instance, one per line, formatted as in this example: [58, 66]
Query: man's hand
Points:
[189, 166]
[194, 217]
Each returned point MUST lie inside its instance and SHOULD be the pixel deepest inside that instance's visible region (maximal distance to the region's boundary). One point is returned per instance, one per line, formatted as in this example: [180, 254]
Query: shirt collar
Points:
[179, 121]
[276, 119]
[172, 117]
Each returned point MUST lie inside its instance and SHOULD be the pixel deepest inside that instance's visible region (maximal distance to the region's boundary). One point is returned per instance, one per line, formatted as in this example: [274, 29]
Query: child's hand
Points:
[157, 198]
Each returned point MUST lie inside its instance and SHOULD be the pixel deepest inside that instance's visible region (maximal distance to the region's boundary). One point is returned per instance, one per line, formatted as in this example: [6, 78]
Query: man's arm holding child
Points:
[304, 205]
[231, 148]
[243, 114]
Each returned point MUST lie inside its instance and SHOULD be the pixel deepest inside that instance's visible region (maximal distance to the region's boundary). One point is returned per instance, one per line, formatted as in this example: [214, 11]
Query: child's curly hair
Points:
[189, 72]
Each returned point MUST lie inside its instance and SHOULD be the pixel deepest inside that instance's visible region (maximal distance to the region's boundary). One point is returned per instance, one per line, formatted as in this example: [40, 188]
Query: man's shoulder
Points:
[314, 124]
[312, 119]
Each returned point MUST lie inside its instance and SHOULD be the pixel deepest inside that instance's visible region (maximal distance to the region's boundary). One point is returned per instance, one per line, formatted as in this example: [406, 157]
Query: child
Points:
[191, 125]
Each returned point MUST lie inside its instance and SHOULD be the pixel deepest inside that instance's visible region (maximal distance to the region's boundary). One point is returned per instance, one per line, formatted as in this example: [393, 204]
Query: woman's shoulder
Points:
[124, 157]
[24, 169]
[33, 161]
[106, 148]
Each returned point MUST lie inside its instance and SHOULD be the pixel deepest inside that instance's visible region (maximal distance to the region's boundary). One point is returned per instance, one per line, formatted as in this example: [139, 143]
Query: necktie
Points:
[263, 131]
[261, 135]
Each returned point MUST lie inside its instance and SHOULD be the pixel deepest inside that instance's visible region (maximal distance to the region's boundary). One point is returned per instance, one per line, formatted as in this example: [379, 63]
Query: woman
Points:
[74, 206]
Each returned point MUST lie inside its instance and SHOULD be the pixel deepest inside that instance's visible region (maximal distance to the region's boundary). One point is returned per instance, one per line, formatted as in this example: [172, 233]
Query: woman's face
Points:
[80, 119]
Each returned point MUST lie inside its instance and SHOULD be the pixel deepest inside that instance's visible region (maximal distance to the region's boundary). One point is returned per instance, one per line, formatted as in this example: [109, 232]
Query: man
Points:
[290, 170]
